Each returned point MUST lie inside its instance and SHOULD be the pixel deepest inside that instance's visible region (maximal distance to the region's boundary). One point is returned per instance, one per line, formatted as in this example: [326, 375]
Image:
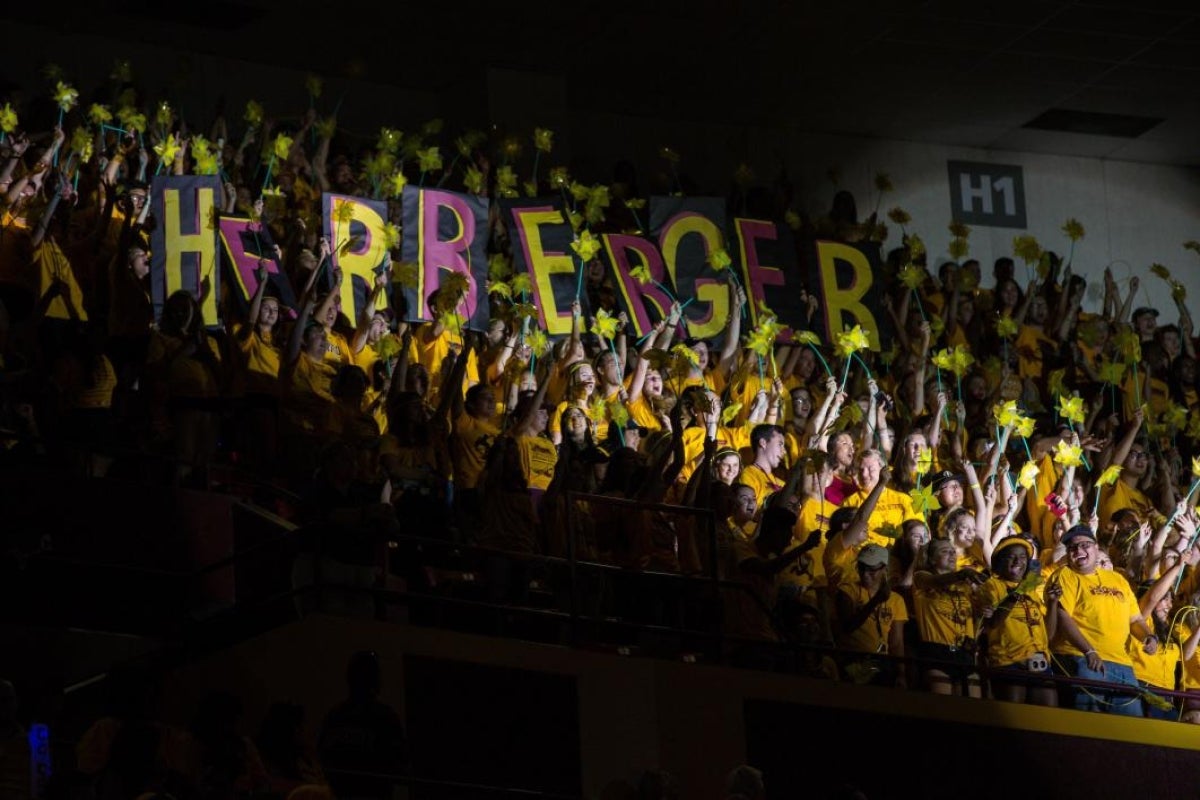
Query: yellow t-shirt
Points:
[52, 264]
[1131, 399]
[431, 353]
[1040, 517]
[470, 442]
[1122, 495]
[260, 360]
[1102, 605]
[893, 508]
[808, 573]
[944, 614]
[100, 393]
[693, 445]
[872, 635]
[1029, 351]
[1023, 631]
[642, 413]
[538, 459]
[763, 483]
[307, 393]
[1159, 669]
[337, 348]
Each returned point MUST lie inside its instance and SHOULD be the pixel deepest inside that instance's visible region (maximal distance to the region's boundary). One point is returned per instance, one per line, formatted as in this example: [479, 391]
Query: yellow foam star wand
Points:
[8, 120]
[848, 343]
[924, 461]
[605, 325]
[923, 500]
[1028, 474]
[1107, 478]
[1071, 409]
[1068, 454]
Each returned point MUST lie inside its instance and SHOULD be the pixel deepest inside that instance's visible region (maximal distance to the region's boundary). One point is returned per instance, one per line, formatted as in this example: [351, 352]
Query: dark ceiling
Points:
[951, 72]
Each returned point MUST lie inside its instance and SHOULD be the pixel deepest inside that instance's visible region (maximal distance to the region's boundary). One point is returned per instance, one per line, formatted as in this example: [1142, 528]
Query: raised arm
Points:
[291, 353]
[733, 331]
[260, 291]
[368, 313]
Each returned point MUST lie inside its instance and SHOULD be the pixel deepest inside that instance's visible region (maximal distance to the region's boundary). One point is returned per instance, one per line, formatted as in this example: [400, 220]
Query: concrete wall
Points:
[692, 719]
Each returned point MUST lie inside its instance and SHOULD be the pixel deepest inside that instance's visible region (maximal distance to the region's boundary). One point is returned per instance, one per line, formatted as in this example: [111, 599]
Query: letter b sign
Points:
[991, 195]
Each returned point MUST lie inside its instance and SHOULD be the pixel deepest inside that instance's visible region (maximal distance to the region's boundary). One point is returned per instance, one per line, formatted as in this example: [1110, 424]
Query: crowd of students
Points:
[1005, 485]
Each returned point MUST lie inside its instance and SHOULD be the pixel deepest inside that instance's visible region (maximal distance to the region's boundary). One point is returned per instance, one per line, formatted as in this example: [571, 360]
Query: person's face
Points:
[1038, 310]
[1082, 555]
[977, 387]
[268, 313]
[1187, 371]
[951, 494]
[585, 379]
[872, 576]
[495, 332]
[867, 473]
[963, 531]
[917, 536]
[1170, 343]
[314, 342]
[540, 420]
[806, 364]
[653, 385]
[966, 310]
[137, 199]
[942, 556]
[914, 444]
[971, 268]
[1138, 460]
[608, 368]
[378, 329]
[843, 450]
[701, 351]
[139, 263]
[744, 505]
[331, 315]
[728, 468]
[343, 174]
[576, 424]
[801, 404]
[1009, 294]
[1013, 563]
[418, 380]
[484, 404]
[1145, 324]
[773, 450]
[1163, 610]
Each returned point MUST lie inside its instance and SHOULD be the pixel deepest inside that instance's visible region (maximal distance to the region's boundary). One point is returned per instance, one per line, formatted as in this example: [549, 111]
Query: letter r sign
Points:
[992, 195]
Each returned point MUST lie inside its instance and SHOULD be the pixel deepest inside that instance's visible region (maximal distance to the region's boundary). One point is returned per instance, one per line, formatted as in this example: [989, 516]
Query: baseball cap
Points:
[873, 556]
[942, 478]
[1010, 542]
[1078, 532]
[1144, 310]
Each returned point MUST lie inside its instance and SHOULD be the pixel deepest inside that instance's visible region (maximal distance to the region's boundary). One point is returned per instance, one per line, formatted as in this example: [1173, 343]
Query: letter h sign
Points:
[992, 195]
